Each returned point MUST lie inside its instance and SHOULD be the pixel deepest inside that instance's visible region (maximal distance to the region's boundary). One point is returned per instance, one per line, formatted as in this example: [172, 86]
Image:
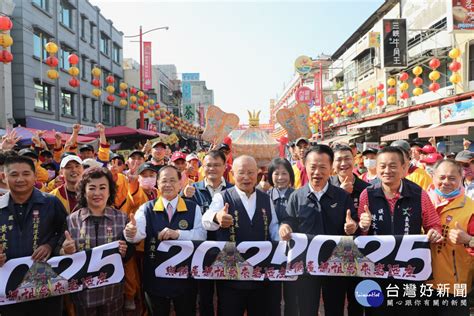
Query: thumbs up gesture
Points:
[350, 226]
[365, 219]
[69, 245]
[3, 257]
[223, 217]
[459, 236]
[131, 228]
[189, 191]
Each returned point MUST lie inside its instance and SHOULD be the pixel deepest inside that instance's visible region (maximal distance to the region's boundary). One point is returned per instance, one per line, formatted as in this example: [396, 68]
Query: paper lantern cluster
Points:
[110, 88]
[175, 122]
[392, 91]
[96, 72]
[455, 66]
[123, 94]
[73, 70]
[133, 98]
[5, 39]
[417, 81]
[404, 85]
[52, 61]
[434, 75]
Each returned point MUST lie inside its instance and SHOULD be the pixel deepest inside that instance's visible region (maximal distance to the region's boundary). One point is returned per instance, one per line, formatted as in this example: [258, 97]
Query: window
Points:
[65, 14]
[83, 27]
[84, 108]
[92, 67]
[106, 113]
[39, 42]
[117, 84]
[67, 103]
[43, 4]
[92, 37]
[42, 97]
[118, 117]
[104, 44]
[84, 67]
[365, 63]
[63, 58]
[93, 106]
[164, 94]
[471, 62]
[105, 74]
[116, 53]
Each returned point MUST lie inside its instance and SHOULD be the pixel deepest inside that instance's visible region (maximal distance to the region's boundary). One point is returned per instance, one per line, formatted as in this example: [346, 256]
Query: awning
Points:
[446, 130]
[379, 122]
[49, 136]
[405, 134]
[63, 127]
[123, 131]
[340, 139]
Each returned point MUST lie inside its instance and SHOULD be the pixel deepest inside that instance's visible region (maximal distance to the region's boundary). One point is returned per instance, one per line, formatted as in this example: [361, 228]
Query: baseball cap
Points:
[302, 139]
[91, 163]
[432, 158]
[136, 152]
[370, 150]
[147, 166]
[116, 156]
[178, 155]
[69, 158]
[403, 144]
[86, 147]
[192, 156]
[158, 142]
[464, 156]
[223, 146]
[428, 149]
[28, 153]
[46, 153]
[49, 165]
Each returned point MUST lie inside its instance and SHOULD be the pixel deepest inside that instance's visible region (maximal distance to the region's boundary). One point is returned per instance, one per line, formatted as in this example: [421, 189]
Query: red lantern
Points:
[5, 23]
[434, 63]
[371, 98]
[140, 101]
[145, 97]
[73, 82]
[434, 87]
[405, 95]
[363, 93]
[455, 66]
[145, 111]
[380, 102]
[380, 87]
[417, 81]
[404, 76]
[133, 106]
[349, 99]
[151, 107]
[6, 57]
[123, 94]
[110, 98]
[110, 79]
[391, 91]
[133, 90]
[73, 59]
[95, 82]
[52, 61]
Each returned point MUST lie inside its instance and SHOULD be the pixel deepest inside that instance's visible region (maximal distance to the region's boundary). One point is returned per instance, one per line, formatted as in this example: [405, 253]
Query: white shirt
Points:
[197, 233]
[319, 194]
[212, 190]
[249, 203]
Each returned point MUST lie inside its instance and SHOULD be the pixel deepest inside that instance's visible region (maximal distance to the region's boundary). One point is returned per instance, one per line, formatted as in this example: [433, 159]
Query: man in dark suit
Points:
[319, 208]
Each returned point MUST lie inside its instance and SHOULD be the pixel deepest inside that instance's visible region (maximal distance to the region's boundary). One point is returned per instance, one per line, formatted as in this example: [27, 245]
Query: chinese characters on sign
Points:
[147, 68]
[304, 95]
[395, 43]
[317, 90]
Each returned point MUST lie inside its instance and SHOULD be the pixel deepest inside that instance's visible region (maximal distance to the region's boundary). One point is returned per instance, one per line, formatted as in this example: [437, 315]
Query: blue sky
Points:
[243, 49]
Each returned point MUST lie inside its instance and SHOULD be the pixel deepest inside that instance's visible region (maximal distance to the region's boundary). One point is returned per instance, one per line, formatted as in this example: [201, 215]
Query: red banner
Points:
[318, 93]
[147, 68]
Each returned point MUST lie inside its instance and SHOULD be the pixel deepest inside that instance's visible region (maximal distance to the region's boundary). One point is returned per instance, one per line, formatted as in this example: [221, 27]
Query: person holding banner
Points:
[396, 206]
[319, 208]
[96, 223]
[238, 214]
[34, 223]
[169, 217]
[201, 193]
[452, 260]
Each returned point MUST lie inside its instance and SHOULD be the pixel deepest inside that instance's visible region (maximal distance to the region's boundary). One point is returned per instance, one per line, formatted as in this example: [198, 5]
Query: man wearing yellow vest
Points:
[116, 167]
[70, 170]
[453, 259]
[301, 178]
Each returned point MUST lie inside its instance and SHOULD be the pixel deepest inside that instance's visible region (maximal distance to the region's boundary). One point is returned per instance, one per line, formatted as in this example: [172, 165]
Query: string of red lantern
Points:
[5, 39]
[392, 91]
[51, 48]
[96, 72]
[123, 94]
[455, 66]
[73, 70]
[133, 98]
[404, 85]
[110, 88]
[434, 74]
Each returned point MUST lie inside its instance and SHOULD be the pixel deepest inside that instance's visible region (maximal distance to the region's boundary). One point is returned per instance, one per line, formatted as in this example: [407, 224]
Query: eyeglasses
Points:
[215, 165]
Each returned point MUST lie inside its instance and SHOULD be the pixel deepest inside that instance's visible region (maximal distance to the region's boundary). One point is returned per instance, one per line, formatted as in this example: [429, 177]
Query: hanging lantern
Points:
[434, 75]
[141, 108]
[73, 59]
[51, 48]
[123, 102]
[417, 70]
[133, 90]
[404, 76]
[140, 94]
[455, 66]
[123, 94]
[6, 40]
[151, 101]
[363, 93]
[371, 106]
[405, 95]
[434, 63]
[417, 91]
[133, 106]
[96, 72]
[5, 23]
[74, 82]
[123, 86]
[52, 61]
[455, 78]
[110, 89]
[110, 79]
[391, 100]
[417, 81]
[380, 87]
[434, 86]
[73, 71]
[110, 98]
[392, 82]
[380, 103]
[96, 92]
[52, 74]
[454, 53]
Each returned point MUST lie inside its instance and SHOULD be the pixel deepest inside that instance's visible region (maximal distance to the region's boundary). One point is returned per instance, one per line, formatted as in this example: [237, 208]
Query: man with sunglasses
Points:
[465, 159]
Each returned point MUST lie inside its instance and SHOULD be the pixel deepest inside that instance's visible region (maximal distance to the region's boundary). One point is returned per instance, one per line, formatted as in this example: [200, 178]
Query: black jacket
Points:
[307, 215]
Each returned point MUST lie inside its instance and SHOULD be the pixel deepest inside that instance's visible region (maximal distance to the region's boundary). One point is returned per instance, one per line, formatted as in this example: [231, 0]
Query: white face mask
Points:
[147, 183]
[370, 163]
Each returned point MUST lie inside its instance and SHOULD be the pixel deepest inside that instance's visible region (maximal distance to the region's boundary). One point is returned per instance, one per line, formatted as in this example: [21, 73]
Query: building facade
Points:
[78, 27]
[196, 98]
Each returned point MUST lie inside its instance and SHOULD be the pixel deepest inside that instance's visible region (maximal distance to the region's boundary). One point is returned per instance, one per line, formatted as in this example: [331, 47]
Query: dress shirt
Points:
[319, 194]
[213, 191]
[249, 204]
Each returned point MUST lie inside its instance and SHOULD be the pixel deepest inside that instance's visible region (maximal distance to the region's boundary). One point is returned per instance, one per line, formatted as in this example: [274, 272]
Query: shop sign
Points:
[458, 111]
[424, 117]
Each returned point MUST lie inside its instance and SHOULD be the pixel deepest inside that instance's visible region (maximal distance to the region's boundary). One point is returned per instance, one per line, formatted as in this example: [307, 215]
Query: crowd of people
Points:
[62, 198]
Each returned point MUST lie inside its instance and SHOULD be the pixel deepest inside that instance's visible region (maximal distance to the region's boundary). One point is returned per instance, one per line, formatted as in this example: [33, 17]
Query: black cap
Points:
[46, 153]
[86, 147]
[136, 152]
[49, 165]
[116, 156]
[370, 150]
[28, 153]
[464, 156]
[147, 166]
[223, 146]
